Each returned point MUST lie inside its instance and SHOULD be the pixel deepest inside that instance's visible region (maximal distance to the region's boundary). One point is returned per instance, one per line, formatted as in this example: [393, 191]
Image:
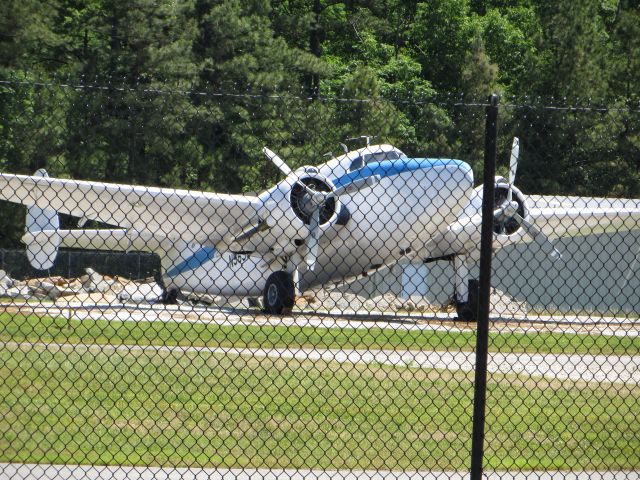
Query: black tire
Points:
[279, 293]
[465, 312]
[468, 311]
[170, 297]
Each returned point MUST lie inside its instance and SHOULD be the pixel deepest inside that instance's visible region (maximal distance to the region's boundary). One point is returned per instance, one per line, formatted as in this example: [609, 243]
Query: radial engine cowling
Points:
[463, 236]
[507, 225]
[290, 207]
[301, 203]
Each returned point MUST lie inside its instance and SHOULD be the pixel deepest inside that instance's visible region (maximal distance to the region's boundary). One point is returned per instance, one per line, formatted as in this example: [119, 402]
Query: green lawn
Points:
[172, 408]
[18, 327]
[203, 409]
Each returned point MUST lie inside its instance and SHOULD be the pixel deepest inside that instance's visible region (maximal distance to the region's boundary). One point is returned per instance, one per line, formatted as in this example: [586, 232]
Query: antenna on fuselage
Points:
[367, 139]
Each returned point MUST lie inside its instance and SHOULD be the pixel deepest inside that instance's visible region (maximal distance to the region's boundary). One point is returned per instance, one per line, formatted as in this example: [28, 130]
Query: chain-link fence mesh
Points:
[288, 286]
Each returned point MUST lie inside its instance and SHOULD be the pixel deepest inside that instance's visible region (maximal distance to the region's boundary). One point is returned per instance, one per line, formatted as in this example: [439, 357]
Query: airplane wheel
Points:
[465, 312]
[170, 297]
[278, 293]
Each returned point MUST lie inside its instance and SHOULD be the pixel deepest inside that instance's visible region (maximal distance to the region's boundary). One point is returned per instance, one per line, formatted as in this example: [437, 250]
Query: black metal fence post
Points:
[484, 289]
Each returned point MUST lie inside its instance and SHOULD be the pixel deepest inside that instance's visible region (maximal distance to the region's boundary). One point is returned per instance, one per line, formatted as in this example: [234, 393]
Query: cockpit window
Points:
[357, 164]
[368, 158]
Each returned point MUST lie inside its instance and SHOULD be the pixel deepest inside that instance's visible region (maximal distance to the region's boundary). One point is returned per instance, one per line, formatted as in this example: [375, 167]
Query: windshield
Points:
[367, 158]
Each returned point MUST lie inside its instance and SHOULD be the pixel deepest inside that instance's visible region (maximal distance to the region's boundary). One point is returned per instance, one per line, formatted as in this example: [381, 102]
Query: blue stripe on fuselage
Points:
[194, 261]
[390, 168]
[384, 169]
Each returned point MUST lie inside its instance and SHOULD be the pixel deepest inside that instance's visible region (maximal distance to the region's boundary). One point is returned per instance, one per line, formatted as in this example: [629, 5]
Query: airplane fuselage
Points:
[413, 200]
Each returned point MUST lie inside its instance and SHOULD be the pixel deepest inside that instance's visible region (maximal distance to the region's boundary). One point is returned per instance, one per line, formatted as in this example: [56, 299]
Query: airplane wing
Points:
[190, 215]
[554, 216]
[559, 216]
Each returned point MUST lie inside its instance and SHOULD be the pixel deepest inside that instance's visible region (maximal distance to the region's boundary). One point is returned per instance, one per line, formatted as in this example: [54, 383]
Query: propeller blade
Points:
[540, 238]
[513, 165]
[277, 161]
[506, 210]
[312, 240]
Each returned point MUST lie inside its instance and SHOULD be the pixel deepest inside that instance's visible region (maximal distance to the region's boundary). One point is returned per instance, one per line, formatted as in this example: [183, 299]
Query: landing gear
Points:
[468, 311]
[170, 297]
[466, 289]
[279, 293]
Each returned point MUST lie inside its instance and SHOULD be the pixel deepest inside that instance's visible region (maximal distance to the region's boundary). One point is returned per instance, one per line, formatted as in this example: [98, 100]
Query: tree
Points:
[508, 37]
[440, 37]
[121, 126]
[571, 71]
[573, 47]
[240, 53]
[28, 37]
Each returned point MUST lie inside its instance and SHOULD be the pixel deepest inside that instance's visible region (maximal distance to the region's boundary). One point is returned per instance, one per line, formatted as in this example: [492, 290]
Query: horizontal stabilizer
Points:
[43, 250]
[116, 240]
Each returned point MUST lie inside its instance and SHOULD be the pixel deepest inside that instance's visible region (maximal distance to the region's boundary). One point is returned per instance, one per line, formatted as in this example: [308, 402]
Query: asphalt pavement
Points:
[16, 471]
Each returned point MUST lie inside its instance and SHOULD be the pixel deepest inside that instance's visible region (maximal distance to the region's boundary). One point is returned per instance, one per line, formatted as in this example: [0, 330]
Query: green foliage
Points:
[441, 37]
[573, 47]
[508, 35]
[133, 116]
[28, 36]
[624, 60]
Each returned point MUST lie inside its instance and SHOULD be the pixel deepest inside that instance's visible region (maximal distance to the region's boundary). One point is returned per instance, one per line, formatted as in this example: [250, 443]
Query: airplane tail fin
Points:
[42, 234]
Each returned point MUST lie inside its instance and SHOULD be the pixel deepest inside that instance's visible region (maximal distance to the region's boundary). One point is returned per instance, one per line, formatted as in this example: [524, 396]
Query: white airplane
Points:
[353, 214]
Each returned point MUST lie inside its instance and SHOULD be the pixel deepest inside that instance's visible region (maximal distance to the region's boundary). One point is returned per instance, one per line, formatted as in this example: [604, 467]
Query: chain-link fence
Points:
[318, 307]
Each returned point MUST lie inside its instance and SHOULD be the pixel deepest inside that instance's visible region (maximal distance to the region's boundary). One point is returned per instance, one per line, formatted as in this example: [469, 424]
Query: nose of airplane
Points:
[465, 171]
[459, 173]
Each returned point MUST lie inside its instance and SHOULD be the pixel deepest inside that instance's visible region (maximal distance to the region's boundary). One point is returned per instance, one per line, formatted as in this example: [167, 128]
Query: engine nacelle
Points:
[289, 207]
[463, 235]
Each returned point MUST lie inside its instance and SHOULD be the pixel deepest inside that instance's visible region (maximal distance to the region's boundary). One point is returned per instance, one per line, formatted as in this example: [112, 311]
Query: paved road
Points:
[58, 472]
[441, 321]
[587, 368]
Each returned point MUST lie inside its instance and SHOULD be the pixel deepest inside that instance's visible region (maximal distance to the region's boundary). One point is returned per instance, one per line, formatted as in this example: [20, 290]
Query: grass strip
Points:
[201, 409]
[19, 327]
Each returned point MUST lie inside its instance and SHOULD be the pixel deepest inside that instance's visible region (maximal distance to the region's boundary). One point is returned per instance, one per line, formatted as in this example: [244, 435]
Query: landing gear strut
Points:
[468, 311]
[279, 293]
[466, 291]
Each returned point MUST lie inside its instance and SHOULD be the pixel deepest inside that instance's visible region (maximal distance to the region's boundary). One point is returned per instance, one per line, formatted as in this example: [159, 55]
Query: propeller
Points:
[277, 161]
[317, 200]
[313, 240]
[509, 208]
[540, 238]
[513, 166]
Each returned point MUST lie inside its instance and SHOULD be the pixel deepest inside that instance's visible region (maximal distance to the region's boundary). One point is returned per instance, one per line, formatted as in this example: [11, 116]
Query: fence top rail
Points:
[158, 87]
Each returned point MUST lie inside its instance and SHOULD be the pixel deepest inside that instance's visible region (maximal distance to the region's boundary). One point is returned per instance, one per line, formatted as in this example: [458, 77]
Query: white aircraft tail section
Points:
[42, 227]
